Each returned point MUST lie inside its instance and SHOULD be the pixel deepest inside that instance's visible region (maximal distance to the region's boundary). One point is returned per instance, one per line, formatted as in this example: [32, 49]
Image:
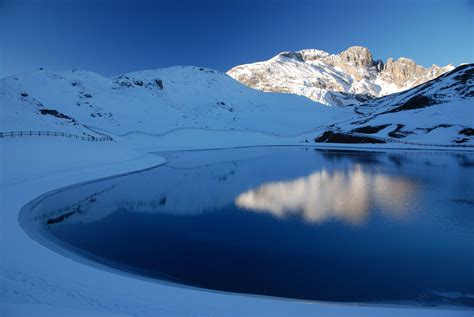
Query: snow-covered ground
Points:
[200, 109]
[437, 112]
[35, 281]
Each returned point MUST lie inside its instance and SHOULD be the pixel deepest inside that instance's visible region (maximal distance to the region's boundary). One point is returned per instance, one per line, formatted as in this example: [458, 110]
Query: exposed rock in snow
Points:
[350, 77]
[440, 111]
[405, 72]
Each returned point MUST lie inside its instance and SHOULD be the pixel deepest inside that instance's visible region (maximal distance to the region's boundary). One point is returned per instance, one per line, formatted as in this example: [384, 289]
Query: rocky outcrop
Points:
[405, 70]
[357, 56]
[350, 77]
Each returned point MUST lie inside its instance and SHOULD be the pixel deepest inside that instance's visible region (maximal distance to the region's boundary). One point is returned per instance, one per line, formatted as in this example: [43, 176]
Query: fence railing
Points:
[12, 134]
[281, 135]
[106, 137]
[173, 130]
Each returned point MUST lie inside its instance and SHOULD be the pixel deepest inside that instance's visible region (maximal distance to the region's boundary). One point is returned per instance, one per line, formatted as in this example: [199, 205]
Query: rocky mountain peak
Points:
[349, 77]
[402, 69]
[357, 56]
[405, 71]
[310, 55]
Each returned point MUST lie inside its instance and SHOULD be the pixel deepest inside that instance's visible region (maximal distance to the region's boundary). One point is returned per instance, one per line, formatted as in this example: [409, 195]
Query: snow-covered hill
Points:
[350, 77]
[151, 102]
[440, 111]
[196, 107]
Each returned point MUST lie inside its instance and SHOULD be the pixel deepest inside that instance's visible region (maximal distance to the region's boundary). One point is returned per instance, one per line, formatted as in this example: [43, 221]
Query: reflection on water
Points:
[273, 221]
[324, 195]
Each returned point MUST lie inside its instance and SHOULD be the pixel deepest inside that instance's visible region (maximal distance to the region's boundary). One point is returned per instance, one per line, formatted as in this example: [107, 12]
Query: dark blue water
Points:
[292, 222]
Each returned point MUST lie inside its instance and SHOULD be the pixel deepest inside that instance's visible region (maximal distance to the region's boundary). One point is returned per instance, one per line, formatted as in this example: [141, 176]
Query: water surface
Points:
[295, 222]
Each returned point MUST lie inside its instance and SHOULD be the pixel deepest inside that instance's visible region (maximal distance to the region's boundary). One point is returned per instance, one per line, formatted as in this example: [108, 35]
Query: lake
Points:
[293, 222]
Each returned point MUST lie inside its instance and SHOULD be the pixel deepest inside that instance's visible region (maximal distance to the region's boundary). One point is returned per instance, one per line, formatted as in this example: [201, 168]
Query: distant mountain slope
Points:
[153, 101]
[440, 111]
[350, 77]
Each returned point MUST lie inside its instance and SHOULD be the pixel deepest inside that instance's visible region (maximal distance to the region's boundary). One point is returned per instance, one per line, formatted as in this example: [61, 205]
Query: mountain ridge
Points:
[152, 101]
[440, 110]
[350, 77]
[189, 105]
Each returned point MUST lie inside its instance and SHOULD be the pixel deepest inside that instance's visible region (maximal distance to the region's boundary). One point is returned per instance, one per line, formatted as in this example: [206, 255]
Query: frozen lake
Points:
[295, 222]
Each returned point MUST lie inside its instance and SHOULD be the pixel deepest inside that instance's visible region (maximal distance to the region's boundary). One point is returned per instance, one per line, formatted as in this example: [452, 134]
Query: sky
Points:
[117, 36]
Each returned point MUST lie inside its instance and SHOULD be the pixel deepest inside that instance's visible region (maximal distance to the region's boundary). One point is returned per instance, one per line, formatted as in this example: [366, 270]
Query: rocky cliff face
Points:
[356, 57]
[350, 77]
[405, 71]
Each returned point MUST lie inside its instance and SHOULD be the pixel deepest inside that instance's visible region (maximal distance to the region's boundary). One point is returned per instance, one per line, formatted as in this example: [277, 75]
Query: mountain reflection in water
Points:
[274, 221]
[324, 195]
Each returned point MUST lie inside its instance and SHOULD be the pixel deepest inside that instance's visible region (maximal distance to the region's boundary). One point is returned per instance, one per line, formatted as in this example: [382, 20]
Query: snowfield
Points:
[151, 102]
[143, 112]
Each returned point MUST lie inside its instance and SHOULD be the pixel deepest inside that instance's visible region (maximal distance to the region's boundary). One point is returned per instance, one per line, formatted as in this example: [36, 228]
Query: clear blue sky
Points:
[117, 36]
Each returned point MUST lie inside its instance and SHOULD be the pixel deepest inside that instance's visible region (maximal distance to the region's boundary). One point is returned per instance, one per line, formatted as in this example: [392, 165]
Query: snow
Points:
[192, 97]
[28, 159]
[200, 108]
[457, 117]
[35, 281]
[301, 73]
[446, 111]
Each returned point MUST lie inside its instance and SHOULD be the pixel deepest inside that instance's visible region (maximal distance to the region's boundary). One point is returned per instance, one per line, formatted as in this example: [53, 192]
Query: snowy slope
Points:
[440, 111]
[190, 107]
[350, 77]
[152, 102]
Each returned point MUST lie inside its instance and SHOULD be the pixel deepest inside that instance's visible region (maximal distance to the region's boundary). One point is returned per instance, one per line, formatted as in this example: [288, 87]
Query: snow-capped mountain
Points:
[350, 77]
[440, 111]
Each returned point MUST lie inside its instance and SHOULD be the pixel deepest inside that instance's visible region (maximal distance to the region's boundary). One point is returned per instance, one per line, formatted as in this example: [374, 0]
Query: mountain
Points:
[179, 101]
[440, 111]
[349, 78]
[192, 107]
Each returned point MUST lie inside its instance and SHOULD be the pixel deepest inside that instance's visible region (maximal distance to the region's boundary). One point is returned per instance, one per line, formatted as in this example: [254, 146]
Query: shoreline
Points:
[145, 297]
